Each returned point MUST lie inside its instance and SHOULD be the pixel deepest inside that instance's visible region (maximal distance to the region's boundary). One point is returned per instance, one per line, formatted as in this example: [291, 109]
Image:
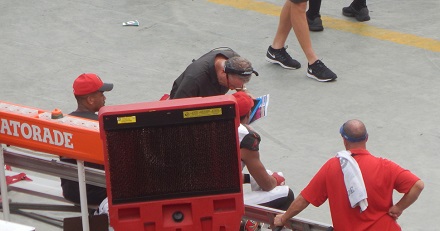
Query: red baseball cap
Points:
[88, 83]
[244, 101]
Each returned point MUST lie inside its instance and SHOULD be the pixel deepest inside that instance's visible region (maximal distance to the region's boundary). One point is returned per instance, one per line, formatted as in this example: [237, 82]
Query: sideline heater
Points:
[173, 165]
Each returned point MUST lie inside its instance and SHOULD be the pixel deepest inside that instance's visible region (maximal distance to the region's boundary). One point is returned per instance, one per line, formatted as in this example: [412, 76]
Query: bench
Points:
[50, 165]
[6, 225]
[48, 188]
[40, 187]
[44, 188]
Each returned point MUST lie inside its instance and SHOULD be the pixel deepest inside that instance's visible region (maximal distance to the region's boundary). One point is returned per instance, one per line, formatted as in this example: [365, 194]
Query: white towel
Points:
[354, 182]
[260, 197]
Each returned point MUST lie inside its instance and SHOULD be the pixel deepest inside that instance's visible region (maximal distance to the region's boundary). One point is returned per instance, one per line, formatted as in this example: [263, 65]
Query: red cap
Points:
[88, 83]
[244, 101]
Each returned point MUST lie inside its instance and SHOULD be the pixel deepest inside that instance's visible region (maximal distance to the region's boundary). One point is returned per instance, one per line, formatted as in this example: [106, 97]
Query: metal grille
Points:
[174, 161]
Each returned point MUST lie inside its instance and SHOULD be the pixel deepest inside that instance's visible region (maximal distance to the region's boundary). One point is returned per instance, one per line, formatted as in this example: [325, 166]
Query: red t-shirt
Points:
[380, 176]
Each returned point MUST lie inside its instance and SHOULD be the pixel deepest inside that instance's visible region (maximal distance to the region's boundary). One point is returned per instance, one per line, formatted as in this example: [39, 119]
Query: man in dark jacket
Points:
[215, 73]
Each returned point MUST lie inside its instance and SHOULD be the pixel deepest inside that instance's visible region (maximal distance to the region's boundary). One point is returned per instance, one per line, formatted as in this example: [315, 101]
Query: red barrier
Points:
[173, 165]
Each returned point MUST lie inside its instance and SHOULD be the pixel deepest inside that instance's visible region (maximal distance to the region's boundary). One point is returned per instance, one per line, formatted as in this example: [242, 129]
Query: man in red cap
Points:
[89, 90]
[268, 187]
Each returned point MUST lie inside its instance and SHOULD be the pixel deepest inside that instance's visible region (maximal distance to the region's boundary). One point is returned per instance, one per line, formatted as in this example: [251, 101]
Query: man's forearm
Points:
[411, 196]
[298, 205]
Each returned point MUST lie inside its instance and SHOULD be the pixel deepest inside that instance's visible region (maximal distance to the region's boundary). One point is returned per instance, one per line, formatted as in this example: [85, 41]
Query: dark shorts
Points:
[298, 1]
[282, 203]
[95, 195]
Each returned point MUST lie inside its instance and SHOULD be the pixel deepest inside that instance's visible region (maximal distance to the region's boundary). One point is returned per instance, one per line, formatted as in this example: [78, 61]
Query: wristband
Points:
[280, 180]
[247, 178]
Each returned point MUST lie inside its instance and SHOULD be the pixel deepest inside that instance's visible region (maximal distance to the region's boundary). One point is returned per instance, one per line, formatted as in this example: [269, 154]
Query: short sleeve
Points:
[403, 178]
[404, 181]
[188, 88]
[251, 141]
[316, 191]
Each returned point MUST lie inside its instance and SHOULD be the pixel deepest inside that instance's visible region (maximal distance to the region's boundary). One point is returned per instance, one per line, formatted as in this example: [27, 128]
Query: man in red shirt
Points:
[380, 177]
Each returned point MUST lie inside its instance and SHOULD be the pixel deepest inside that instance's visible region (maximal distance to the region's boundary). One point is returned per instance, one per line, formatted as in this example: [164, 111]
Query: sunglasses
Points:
[241, 88]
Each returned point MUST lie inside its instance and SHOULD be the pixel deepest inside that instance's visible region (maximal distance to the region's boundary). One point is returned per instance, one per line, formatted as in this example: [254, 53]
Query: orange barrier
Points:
[50, 132]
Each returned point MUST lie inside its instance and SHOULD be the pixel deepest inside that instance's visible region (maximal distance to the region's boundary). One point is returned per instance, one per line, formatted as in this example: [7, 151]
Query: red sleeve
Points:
[316, 191]
[403, 178]
[404, 181]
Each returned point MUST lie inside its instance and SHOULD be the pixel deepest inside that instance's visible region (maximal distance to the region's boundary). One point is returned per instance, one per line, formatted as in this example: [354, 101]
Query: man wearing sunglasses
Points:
[215, 73]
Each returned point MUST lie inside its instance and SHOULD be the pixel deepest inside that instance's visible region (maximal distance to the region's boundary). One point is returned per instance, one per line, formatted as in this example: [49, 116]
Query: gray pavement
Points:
[391, 85]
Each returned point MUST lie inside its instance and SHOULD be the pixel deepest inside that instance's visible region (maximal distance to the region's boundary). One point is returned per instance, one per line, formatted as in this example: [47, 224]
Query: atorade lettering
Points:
[34, 132]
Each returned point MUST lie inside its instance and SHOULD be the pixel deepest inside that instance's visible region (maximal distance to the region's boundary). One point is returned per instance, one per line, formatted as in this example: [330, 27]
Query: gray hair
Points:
[241, 64]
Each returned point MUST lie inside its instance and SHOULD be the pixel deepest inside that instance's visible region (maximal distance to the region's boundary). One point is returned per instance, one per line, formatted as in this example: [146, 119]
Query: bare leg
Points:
[301, 28]
[284, 27]
[294, 15]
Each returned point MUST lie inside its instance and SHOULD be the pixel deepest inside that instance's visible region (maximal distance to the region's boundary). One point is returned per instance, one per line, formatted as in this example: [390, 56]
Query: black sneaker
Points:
[320, 72]
[281, 57]
[315, 24]
[361, 15]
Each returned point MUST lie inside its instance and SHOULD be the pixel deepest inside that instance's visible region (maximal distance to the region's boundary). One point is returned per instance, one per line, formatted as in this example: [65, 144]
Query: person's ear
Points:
[345, 141]
[90, 99]
[247, 117]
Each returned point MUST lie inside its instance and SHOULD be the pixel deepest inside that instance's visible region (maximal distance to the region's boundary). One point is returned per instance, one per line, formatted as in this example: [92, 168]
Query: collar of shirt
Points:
[359, 151]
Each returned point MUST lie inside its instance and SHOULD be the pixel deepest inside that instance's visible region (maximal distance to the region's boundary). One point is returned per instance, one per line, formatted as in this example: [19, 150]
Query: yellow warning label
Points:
[202, 113]
[126, 120]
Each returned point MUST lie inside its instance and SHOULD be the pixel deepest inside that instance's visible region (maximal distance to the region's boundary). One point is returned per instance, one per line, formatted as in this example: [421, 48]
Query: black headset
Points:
[230, 69]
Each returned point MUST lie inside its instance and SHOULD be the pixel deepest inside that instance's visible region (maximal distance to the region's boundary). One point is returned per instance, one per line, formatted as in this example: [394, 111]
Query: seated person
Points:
[89, 91]
[268, 187]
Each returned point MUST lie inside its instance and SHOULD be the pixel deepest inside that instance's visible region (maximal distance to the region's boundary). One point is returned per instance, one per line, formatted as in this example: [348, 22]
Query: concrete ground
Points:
[387, 75]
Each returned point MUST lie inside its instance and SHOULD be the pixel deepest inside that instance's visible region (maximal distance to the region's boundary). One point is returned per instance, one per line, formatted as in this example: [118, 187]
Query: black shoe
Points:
[361, 15]
[320, 72]
[281, 57]
[315, 24]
